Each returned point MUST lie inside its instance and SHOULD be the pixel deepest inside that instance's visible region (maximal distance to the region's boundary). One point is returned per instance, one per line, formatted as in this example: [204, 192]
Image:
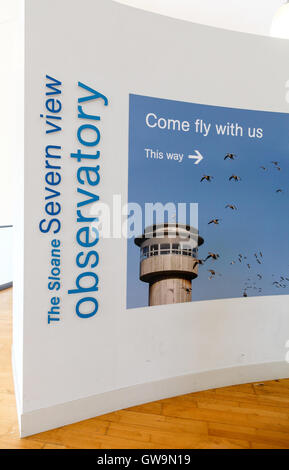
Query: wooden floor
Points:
[253, 416]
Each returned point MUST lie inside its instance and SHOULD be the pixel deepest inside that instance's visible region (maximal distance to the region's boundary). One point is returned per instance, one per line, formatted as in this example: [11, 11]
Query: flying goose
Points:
[231, 156]
[207, 178]
[235, 178]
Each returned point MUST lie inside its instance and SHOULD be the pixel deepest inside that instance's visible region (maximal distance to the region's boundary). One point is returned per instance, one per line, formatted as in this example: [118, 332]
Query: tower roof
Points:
[169, 230]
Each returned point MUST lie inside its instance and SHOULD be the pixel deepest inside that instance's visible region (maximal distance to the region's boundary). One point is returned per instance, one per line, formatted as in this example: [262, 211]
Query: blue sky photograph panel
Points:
[253, 240]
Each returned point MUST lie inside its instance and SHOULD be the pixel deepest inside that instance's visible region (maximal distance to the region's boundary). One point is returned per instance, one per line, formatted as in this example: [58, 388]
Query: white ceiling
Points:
[252, 16]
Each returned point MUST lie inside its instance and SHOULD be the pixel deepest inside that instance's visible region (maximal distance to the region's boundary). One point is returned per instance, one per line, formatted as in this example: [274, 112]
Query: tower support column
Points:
[171, 290]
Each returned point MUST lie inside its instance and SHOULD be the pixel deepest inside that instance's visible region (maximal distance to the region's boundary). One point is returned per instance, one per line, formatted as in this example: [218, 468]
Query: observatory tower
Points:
[168, 255]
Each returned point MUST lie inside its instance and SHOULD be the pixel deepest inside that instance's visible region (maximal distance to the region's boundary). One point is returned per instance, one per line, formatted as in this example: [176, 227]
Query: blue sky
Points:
[261, 222]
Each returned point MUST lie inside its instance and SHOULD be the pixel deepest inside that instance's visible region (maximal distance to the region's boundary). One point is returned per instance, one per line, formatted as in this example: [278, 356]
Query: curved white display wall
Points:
[124, 106]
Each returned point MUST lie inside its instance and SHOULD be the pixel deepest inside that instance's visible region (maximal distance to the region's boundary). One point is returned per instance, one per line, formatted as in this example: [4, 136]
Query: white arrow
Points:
[198, 157]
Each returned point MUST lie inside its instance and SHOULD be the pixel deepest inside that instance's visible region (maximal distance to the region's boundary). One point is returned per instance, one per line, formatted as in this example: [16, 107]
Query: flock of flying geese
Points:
[249, 284]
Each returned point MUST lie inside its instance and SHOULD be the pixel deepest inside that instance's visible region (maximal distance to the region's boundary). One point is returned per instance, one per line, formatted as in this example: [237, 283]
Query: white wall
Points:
[8, 14]
[8, 10]
[5, 255]
[7, 120]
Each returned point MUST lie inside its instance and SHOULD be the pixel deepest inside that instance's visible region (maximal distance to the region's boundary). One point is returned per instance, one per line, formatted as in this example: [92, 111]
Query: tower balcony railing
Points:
[167, 249]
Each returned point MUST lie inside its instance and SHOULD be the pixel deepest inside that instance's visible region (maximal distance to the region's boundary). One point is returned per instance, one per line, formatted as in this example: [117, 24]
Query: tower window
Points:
[187, 250]
[176, 249]
[154, 250]
[165, 249]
